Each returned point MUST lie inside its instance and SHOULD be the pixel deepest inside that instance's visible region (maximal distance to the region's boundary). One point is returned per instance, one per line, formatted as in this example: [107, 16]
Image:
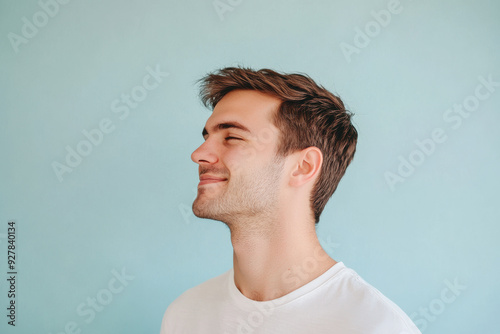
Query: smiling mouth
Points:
[210, 181]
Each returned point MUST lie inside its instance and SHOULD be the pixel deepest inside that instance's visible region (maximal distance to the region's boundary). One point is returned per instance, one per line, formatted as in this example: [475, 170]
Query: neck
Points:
[272, 262]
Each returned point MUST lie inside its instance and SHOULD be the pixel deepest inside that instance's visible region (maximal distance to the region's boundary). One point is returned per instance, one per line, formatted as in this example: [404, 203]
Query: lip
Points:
[206, 179]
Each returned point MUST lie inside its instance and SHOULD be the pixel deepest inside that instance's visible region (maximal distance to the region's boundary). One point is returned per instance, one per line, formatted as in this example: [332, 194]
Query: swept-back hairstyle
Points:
[309, 115]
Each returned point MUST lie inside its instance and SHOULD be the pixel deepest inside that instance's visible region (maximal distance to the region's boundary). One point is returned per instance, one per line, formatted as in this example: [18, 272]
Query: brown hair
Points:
[309, 115]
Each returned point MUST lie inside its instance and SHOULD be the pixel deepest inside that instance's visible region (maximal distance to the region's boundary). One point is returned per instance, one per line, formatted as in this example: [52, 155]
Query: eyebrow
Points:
[226, 125]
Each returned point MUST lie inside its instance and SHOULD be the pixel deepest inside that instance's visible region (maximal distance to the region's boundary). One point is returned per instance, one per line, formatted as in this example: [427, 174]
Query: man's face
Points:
[239, 172]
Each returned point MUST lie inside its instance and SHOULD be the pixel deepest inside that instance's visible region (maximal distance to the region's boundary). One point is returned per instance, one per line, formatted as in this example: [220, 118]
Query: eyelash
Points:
[227, 138]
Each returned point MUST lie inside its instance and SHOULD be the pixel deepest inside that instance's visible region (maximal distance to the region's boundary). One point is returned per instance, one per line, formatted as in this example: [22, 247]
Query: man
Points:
[275, 149]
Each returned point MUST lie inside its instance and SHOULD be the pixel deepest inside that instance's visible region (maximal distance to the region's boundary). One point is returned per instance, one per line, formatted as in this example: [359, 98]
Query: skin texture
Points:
[264, 200]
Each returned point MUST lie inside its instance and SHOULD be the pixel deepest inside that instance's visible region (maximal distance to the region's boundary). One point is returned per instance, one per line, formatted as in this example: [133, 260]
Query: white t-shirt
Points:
[337, 302]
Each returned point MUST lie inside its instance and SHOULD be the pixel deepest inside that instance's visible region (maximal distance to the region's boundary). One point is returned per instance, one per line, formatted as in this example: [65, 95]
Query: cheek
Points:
[242, 158]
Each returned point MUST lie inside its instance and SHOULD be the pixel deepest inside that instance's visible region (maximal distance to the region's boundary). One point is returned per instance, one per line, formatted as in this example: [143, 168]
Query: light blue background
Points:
[125, 205]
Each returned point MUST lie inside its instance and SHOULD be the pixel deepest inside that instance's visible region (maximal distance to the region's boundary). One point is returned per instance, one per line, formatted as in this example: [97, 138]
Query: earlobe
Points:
[308, 165]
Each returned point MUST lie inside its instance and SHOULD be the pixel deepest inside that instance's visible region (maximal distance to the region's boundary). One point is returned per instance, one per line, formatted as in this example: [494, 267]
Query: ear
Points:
[306, 166]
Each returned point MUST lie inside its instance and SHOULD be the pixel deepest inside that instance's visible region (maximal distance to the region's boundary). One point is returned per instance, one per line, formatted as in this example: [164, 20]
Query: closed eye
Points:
[229, 138]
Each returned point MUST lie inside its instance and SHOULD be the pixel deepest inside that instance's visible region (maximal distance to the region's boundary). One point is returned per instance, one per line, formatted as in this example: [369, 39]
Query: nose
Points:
[204, 154]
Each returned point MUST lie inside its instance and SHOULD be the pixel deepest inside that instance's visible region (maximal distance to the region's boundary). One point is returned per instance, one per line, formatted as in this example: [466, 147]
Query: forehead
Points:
[252, 109]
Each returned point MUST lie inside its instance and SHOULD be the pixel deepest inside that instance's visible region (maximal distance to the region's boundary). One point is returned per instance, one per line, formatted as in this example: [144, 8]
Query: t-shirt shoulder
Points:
[198, 296]
[339, 299]
[373, 302]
